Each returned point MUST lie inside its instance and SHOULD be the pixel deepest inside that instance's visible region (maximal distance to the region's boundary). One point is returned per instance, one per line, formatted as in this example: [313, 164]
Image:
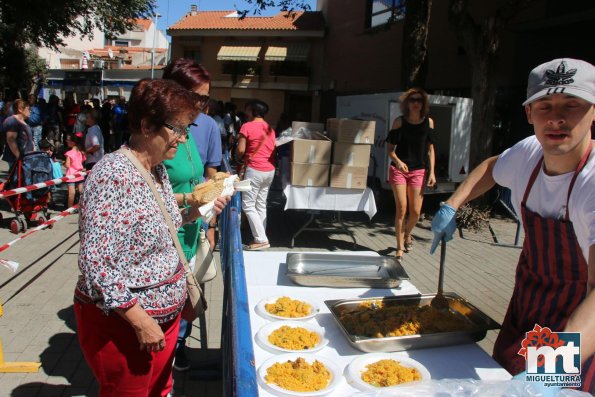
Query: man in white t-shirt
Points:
[93, 140]
[551, 176]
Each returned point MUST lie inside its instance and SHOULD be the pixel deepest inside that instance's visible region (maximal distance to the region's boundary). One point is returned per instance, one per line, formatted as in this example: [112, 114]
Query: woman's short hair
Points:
[404, 101]
[19, 105]
[259, 108]
[187, 72]
[160, 101]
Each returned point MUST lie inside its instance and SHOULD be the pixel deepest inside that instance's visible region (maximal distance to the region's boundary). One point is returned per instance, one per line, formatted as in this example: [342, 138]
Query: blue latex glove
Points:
[539, 387]
[444, 225]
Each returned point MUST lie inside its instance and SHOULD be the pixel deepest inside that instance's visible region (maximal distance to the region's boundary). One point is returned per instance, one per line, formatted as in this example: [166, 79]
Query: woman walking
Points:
[256, 147]
[411, 150]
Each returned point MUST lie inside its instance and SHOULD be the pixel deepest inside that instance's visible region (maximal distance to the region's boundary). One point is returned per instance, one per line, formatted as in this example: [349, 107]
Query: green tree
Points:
[414, 51]
[481, 41]
[286, 5]
[47, 22]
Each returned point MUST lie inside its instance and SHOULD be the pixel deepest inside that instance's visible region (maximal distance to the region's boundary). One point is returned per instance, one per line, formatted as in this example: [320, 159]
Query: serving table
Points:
[315, 199]
[265, 278]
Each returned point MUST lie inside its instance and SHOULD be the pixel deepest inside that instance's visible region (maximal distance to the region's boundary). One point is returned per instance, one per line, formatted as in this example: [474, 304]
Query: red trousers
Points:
[111, 349]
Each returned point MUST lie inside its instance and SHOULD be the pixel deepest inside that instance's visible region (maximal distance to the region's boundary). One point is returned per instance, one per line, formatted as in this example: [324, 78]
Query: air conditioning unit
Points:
[98, 64]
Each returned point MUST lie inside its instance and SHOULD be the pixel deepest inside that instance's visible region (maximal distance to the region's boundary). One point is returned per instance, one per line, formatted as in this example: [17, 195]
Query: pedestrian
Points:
[93, 139]
[105, 125]
[205, 137]
[19, 137]
[551, 175]
[35, 119]
[75, 158]
[410, 147]
[53, 122]
[132, 287]
[256, 148]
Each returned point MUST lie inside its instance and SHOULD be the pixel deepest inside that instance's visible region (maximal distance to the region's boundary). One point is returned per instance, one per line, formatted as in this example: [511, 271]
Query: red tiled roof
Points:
[144, 24]
[219, 20]
[116, 50]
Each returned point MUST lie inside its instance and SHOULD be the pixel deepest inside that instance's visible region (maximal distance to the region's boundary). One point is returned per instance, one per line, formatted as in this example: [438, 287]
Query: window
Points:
[289, 68]
[381, 12]
[241, 68]
[121, 43]
[193, 54]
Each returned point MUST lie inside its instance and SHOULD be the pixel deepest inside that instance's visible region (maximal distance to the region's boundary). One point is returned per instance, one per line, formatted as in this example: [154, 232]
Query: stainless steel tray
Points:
[480, 324]
[325, 270]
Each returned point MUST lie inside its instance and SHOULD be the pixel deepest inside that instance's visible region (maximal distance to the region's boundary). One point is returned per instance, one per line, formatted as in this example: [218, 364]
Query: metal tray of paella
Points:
[326, 270]
[396, 323]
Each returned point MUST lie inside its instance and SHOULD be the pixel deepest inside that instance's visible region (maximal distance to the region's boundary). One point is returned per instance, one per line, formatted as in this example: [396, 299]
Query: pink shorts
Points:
[413, 178]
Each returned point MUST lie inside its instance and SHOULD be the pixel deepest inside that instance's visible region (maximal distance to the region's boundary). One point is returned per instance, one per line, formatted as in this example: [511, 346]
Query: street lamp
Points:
[155, 16]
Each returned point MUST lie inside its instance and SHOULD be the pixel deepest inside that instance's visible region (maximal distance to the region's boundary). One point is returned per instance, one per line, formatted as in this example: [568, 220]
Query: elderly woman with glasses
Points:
[132, 288]
[411, 150]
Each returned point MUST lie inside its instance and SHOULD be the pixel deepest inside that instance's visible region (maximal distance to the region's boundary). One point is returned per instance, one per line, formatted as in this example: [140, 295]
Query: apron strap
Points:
[579, 168]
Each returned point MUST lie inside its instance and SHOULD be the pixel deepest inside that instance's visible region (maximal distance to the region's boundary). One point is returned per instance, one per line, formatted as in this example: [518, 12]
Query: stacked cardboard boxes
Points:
[310, 158]
[352, 140]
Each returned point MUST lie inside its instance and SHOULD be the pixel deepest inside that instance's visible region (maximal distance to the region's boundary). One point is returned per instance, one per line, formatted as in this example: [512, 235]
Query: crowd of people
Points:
[132, 290]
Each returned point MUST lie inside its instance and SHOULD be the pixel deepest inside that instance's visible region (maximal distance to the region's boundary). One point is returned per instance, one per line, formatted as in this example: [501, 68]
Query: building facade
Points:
[277, 59]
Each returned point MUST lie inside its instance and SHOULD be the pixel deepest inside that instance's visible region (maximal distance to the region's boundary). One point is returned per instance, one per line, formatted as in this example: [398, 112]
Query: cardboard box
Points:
[309, 174]
[351, 131]
[312, 151]
[348, 177]
[314, 127]
[351, 154]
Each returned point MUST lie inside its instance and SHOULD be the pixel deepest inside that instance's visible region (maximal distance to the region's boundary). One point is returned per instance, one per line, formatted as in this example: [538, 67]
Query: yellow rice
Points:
[385, 373]
[298, 375]
[287, 307]
[378, 320]
[294, 338]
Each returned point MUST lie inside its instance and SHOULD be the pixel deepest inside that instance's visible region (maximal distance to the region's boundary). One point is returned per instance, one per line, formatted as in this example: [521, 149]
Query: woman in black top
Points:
[411, 150]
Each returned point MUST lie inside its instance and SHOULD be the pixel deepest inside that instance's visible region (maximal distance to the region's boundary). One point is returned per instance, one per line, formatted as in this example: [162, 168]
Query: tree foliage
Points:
[258, 6]
[481, 41]
[415, 43]
[47, 22]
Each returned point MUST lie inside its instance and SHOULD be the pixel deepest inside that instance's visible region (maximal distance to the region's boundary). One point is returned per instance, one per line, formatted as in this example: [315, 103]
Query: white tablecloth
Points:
[265, 277]
[330, 199]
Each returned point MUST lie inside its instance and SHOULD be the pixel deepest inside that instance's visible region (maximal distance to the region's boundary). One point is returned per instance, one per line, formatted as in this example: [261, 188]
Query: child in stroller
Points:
[32, 206]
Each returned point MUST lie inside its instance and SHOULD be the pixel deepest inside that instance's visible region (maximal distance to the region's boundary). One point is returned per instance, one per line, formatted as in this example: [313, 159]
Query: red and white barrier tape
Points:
[14, 265]
[57, 181]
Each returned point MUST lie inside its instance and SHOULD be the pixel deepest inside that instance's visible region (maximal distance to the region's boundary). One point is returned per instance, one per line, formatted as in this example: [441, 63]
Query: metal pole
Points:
[155, 16]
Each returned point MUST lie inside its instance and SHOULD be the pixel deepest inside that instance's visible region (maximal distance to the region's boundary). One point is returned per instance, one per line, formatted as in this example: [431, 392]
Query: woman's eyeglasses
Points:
[203, 100]
[181, 132]
[416, 99]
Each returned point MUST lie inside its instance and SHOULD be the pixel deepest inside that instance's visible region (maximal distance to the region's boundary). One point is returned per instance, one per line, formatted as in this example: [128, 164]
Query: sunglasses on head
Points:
[416, 99]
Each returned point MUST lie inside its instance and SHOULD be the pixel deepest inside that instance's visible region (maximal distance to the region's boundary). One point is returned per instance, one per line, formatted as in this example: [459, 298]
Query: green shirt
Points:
[185, 171]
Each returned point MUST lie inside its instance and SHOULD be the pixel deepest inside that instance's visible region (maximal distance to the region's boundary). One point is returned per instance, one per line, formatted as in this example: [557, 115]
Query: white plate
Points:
[262, 336]
[260, 309]
[310, 358]
[358, 366]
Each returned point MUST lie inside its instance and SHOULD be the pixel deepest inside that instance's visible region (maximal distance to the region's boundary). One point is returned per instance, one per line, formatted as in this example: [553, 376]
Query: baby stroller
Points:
[34, 167]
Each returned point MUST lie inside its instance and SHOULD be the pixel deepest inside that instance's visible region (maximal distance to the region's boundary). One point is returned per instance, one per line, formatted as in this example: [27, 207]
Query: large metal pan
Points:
[479, 323]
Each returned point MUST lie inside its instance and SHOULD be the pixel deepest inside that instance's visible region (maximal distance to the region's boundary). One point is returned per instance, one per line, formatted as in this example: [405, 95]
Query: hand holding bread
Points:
[211, 189]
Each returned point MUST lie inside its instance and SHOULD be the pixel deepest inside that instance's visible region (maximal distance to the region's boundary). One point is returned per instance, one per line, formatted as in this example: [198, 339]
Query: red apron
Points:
[551, 281]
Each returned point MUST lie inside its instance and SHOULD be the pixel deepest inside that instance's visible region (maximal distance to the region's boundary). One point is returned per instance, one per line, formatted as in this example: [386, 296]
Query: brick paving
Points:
[38, 322]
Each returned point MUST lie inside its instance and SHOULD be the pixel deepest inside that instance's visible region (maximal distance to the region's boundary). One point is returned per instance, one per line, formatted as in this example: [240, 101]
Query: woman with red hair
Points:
[132, 289]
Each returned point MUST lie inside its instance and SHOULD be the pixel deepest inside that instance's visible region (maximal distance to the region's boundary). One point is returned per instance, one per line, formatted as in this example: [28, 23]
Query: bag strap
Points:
[170, 224]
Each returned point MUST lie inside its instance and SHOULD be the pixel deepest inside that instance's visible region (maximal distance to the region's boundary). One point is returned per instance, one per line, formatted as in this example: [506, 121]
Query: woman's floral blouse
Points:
[127, 254]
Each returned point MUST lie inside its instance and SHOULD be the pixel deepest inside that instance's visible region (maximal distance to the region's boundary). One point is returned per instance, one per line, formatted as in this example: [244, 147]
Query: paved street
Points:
[38, 322]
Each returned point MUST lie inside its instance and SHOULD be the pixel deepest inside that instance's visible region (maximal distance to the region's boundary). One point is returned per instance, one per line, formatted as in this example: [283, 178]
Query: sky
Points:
[172, 10]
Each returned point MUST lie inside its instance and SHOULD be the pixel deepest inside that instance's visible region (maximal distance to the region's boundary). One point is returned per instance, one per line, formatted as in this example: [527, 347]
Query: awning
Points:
[238, 53]
[288, 52]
